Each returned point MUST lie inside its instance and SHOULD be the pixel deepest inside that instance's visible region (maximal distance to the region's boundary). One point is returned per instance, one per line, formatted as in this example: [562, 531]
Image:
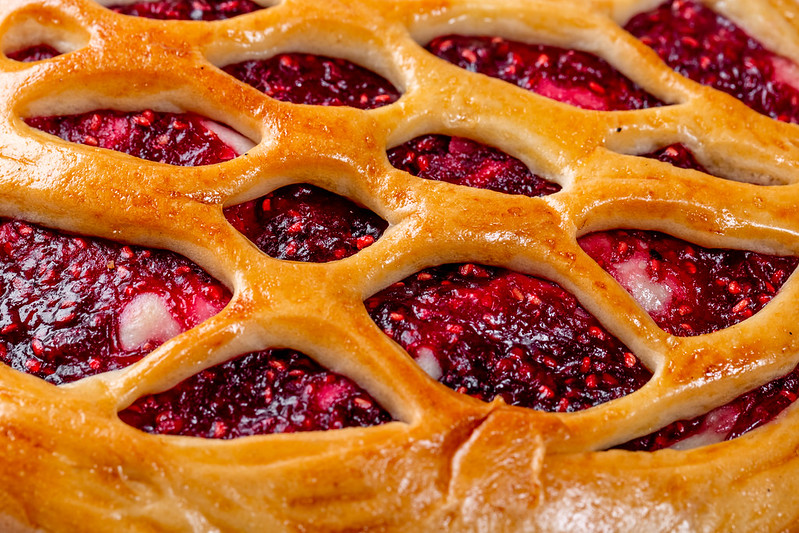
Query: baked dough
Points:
[450, 462]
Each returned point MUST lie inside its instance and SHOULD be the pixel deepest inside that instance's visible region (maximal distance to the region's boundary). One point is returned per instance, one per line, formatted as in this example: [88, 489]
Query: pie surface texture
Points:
[446, 460]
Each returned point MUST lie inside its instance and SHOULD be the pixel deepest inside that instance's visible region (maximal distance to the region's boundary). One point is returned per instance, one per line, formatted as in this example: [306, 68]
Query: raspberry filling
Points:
[34, 53]
[469, 163]
[272, 391]
[677, 155]
[73, 307]
[569, 76]
[711, 50]
[188, 9]
[182, 139]
[741, 415]
[686, 289]
[306, 223]
[490, 332]
[315, 80]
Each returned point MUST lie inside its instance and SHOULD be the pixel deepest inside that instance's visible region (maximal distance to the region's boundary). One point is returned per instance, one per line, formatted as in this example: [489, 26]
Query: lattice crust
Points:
[451, 462]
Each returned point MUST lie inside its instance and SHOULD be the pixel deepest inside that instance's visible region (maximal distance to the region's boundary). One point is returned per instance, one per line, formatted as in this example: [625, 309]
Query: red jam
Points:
[468, 163]
[188, 9]
[316, 80]
[687, 289]
[306, 223]
[74, 306]
[490, 332]
[743, 414]
[710, 49]
[569, 76]
[174, 138]
[34, 53]
[272, 391]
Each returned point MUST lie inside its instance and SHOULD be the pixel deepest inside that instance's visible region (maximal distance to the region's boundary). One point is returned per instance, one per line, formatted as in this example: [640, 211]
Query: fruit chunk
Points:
[272, 391]
[489, 332]
[67, 301]
[182, 139]
[306, 223]
[569, 76]
[34, 53]
[469, 163]
[687, 289]
[709, 49]
[315, 80]
[743, 414]
[188, 9]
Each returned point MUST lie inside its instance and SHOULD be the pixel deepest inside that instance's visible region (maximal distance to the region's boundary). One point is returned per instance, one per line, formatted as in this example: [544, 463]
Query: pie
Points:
[402, 265]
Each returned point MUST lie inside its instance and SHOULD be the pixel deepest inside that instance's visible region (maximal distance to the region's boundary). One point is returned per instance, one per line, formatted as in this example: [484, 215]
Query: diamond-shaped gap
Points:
[681, 156]
[207, 10]
[301, 78]
[75, 306]
[271, 391]
[469, 163]
[490, 332]
[306, 223]
[676, 154]
[735, 418]
[688, 289]
[184, 139]
[710, 49]
[570, 76]
[35, 36]
[37, 52]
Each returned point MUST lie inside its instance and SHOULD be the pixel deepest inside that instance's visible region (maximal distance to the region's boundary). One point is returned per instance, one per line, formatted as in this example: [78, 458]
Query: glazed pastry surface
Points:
[436, 458]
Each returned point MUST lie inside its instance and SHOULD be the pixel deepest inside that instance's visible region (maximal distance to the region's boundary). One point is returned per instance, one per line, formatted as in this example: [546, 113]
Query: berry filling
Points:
[469, 163]
[272, 391]
[490, 332]
[306, 223]
[677, 155]
[711, 50]
[188, 9]
[34, 53]
[73, 307]
[686, 289]
[182, 139]
[741, 415]
[569, 76]
[315, 80]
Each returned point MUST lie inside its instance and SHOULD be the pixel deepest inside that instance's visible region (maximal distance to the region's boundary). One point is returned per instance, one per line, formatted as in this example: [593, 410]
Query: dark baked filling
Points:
[679, 156]
[306, 223]
[741, 415]
[710, 49]
[188, 9]
[687, 289]
[34, 53]
[570, 76]
[272, 391]
[316, 80]
[490, 332]
[184, 139]
[75, 306]
[469, 163]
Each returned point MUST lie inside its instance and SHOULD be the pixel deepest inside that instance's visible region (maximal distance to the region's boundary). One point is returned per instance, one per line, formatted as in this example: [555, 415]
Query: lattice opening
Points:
[49, 30]
[198, 10]
[465, 162]
[272, 391]
[306, 223]
[483, 332]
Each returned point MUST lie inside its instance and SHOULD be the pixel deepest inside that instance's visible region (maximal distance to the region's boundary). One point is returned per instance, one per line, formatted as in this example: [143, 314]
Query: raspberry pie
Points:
[403, 266]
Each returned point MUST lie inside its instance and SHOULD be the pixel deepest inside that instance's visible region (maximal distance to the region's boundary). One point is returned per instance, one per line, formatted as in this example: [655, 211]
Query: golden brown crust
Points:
[451, 463]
